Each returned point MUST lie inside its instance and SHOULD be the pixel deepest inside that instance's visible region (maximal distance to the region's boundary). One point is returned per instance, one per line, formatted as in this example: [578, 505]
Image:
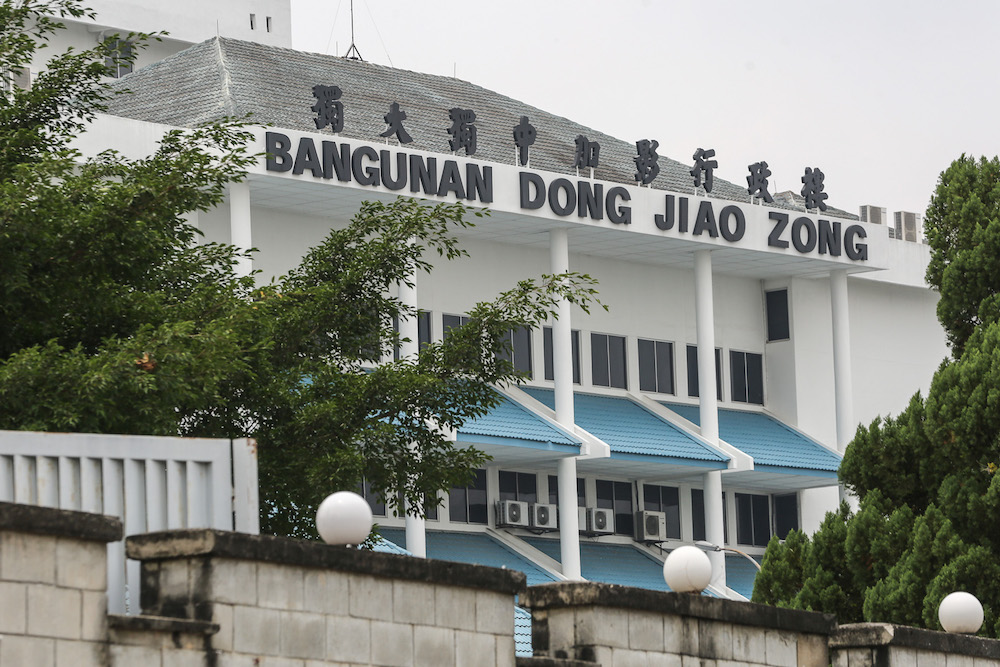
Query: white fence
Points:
[151, 483]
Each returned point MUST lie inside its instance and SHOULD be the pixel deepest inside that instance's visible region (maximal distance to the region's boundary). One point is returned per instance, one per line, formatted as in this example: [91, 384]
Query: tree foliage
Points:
[117, 319]
[927, 478]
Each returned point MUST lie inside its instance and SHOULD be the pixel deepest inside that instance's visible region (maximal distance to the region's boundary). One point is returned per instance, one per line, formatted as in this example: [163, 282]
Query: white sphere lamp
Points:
[687, 570]
[961, 612]
[344, 517]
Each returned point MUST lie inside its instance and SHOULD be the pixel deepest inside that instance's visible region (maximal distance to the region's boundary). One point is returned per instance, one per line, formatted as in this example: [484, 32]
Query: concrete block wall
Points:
[618, 625]
[887, 645]
[53, 586]
[286, 602]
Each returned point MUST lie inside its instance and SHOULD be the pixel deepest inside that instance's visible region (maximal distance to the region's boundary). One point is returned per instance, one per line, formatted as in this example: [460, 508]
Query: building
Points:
[612, 452]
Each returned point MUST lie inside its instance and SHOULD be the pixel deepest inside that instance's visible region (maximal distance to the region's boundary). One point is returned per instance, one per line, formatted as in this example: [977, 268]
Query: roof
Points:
[522, 632]
[630, 429]
[767, 440]
[512, 421]
[740, 574]
[473, 548]
[228, 77]
[619, 564]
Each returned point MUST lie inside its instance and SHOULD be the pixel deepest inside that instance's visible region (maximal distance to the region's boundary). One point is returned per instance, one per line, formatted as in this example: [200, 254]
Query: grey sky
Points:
[881, 95]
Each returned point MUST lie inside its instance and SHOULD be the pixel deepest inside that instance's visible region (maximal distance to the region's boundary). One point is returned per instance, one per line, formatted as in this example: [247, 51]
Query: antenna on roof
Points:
[354, 49]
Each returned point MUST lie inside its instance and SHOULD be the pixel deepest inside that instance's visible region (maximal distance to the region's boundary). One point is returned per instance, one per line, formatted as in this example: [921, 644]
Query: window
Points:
[521, 486]
[449, 322]
[753, 521]
[747, 370]
[656, 366]
[267, 22]
[617, 496]
[692, 361]
[608, 360]
[786, 514]
[581, 496]
[375, 501]
[664, 499]
[119, 57]
[776, 307]
[550, 373]
[697, 514]
[467, 504]
[519, 351]
[253, 21]
[423, 328]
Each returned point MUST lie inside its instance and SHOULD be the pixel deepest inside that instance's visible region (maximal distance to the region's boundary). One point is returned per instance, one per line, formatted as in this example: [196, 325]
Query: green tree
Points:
[116, 320]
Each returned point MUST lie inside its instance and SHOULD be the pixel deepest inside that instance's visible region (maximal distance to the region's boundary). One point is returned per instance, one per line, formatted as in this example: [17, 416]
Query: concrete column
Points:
[842, 381]
[416, 536]
[708, 407]
[240, 223]
[562, 367]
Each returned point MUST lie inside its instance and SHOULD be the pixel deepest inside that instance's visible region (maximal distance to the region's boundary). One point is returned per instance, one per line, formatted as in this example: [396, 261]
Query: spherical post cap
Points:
[344, 517]
[687, 570]
[961, 612]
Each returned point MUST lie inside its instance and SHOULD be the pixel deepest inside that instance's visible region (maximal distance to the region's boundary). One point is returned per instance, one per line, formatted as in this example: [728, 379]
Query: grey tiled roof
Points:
[228, 77]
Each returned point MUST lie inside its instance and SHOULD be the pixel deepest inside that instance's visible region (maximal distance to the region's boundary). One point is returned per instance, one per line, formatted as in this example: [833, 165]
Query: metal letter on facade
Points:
[524, 136]
[394, 119]
[587, 152]
[329, 110]
[462, 130]
[812, 189]
[703, 165]
[757, 181]
[646, 161]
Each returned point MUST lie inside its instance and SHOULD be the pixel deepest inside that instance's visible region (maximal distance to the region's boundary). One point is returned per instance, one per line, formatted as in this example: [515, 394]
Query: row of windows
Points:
[609, 365]
[757, 516]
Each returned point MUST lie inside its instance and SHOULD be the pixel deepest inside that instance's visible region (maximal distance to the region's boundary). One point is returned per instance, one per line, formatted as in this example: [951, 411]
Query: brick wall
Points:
[53, 583]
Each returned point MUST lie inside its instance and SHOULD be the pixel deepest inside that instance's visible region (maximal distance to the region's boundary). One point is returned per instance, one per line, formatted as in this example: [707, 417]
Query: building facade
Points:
[744, 342]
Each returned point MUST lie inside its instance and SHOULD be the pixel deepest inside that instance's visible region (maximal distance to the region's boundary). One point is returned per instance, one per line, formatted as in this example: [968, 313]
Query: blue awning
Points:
[610, 563]
[512, 424]
[773, 445]
[632, 431]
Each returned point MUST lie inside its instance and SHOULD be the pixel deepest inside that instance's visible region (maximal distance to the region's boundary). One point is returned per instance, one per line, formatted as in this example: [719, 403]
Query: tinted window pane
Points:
[581, 496]
[527, 487]
[522, 350]
[599, 360]
[755, 379]
[738, 371]
[576, 357]
[616, 354]
[698, 514]
[550, 373]
[671, 503]
[477, 499]
[776, 305]
[508, 485]
[718, 373]
[647, 365]
[605, 494]
[624, 520]
[665, 367]
[423, 328]
[692, 364]
[651, 498]
[458, 509]
[744, 518]
[786, 514]
[761, 521]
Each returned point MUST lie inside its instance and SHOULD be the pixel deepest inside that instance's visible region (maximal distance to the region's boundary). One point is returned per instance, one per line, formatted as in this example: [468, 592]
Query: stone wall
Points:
[53, 583]
[617, 625]
[219, 599]
[311, 604]
[885, 645]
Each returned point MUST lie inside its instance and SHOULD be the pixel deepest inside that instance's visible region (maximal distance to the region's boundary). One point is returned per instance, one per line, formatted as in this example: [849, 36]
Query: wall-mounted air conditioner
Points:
[600, 521]
[512, 513]
[544, 517]
[650, 526]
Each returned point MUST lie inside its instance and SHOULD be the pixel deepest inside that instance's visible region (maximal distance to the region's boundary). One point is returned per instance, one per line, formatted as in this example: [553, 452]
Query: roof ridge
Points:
[228, 102]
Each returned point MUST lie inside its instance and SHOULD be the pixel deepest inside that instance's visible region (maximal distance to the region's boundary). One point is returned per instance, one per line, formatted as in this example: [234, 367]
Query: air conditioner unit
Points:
[512, 513]
[544, 517]
[650, 526]
[600, 521]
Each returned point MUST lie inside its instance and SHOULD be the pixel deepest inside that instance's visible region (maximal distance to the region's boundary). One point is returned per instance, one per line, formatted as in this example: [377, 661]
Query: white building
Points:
[793, 305]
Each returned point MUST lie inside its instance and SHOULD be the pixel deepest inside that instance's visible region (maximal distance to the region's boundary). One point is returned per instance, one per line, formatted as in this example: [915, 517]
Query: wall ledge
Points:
[582, 594]
[864, 635]
[59, 523]
[179, 544]
[161, 624]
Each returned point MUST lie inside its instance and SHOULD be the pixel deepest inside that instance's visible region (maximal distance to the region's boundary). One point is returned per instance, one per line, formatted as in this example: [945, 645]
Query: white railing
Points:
[151, 483]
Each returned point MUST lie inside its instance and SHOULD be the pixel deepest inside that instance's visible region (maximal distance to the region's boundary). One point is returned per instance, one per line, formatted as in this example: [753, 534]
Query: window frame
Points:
[741, 372]
[657, 346]
[548, 354]
[597, 345]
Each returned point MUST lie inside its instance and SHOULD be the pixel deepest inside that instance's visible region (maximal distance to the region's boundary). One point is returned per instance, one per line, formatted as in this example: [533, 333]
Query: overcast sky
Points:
[881, 95]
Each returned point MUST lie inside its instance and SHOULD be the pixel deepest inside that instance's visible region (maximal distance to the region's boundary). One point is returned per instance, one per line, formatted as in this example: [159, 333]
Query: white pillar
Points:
[842, 381]
[416, 536]
[708, 407]
[240, 223]
[562, 368]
